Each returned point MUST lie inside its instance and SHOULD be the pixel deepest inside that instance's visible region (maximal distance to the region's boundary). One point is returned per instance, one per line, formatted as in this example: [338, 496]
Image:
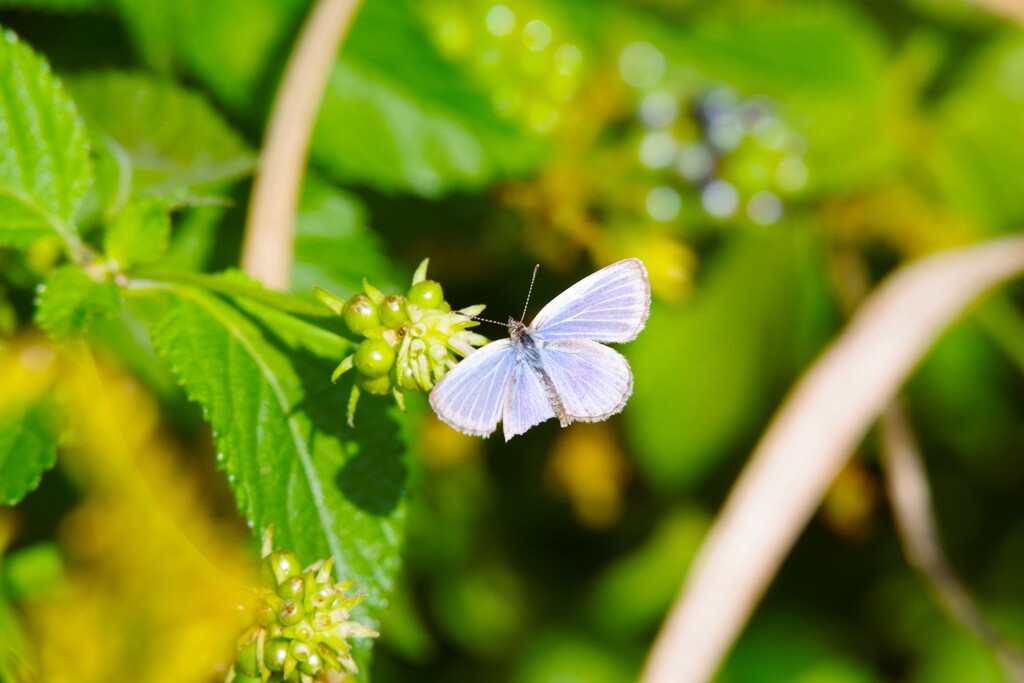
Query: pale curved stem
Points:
[270, 232]
[910, 497]
[807, 444]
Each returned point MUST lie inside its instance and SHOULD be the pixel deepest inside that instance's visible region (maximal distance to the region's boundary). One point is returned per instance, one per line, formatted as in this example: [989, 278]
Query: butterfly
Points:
[558, 365]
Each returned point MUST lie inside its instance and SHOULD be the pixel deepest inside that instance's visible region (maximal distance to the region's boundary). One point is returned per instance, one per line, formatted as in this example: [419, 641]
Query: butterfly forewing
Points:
[593, 381]
[611, 305]
[471, 397]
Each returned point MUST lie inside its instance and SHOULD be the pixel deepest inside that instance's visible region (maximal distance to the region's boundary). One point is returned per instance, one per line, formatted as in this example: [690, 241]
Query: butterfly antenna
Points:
[483, 320]
[529, 292]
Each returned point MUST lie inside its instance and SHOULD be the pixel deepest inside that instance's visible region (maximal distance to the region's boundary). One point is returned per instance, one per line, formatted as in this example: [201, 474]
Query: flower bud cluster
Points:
[409, 342]
[301, 626]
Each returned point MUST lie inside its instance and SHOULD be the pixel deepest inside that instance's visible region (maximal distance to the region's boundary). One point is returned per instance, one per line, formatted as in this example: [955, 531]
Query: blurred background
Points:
[769, 161]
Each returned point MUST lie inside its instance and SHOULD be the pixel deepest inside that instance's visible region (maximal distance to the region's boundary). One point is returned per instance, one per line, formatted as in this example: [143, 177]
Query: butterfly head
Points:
[516, 329]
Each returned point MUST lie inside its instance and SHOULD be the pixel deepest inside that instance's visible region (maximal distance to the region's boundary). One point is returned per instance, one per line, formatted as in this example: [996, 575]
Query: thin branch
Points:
[807, 444]
[270, 233]
[910, 497]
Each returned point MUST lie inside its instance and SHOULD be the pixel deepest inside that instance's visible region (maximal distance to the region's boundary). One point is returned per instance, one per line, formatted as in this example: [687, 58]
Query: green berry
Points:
[426, 294]
[360, 314]
[275, 653]
[393, 313]
[313, 666]
[377, 385]
[374, 358]
[241, 677]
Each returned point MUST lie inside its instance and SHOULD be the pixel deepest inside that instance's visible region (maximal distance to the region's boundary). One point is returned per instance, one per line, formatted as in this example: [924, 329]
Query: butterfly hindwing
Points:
[611, 305]
[527, 404]
[592, 380]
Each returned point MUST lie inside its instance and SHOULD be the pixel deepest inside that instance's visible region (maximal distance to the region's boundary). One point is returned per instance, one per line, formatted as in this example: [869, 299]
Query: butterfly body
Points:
[556, 367]
[526, 349]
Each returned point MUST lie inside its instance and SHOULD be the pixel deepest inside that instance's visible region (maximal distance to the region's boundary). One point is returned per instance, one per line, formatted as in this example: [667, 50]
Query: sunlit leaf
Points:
[263, 379]
[44, 150]
[430, 130]
[171, 139]
[139, 234]
[395, 115]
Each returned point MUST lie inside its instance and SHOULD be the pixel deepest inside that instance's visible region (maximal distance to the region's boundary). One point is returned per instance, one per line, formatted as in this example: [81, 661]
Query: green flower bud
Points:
[290, 613]
[410, 342]
[374, 358]
[405, 378]
[248, 661]
[291, 589]
[393, 313]
[283, 564]
[426, 294]
[360, 314]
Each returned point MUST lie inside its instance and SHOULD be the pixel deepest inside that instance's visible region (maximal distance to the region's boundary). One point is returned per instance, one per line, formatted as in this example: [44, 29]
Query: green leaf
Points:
[238, 285]
[980, 133]
[395, 115]
[700, 393]
[70, 299]
[28, 448]
[334, 247]
[264, 383]
[139, 235]
[169, 139]
[55, 5]
[44, 151]
[824, 49]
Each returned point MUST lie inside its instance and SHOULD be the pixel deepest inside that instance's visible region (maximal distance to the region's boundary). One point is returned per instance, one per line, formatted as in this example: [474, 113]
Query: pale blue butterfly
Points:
[555, 367]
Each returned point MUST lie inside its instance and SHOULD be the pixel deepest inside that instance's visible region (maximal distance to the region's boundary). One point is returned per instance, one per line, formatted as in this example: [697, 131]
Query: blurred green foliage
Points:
[769, 161]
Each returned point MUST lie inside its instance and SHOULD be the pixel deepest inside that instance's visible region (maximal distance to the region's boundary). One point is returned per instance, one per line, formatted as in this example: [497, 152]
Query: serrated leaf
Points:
[238, 285]
[264, 383]
[70, 299]
[139, 235]
[44, 150]
[28, 448]
[173, 139]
